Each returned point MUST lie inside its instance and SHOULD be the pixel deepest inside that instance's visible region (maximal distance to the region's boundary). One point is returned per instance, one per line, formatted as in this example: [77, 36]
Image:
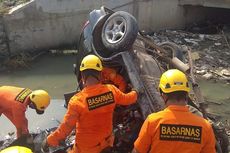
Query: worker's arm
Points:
[143, 142]
[67, 125]
[111, 75]
[124, 98]
[19, 120]
[209, 143]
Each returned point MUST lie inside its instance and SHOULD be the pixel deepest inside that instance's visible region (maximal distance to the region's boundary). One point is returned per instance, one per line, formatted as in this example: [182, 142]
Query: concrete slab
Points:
[207, 3]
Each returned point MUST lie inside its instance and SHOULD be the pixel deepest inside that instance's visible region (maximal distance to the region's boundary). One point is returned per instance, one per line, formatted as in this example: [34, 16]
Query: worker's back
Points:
[95, 105]
[176, 130]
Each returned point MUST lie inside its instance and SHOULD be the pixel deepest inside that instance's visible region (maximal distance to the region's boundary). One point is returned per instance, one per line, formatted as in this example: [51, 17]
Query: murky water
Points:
[218, 95]
[55, 74]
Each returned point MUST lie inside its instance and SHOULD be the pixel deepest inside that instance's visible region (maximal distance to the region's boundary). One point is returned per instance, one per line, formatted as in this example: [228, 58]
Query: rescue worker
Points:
[110, 75]
[175, 129]
[90, 111]
[14, 102]
[16, 149]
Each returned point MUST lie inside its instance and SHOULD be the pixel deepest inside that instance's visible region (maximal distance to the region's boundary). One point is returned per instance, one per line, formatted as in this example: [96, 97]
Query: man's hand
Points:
[45, 146]
[139, 90]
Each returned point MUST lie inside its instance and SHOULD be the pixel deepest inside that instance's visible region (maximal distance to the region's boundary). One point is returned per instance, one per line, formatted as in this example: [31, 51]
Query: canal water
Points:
[54, 73]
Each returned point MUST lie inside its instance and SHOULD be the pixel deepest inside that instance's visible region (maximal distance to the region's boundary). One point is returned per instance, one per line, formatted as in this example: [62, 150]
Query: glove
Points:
[139, 90]
[44, 146]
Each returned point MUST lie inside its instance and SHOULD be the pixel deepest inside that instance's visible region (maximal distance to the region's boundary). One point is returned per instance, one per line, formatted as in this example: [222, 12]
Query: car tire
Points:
[119, 32]
[98, 46]
[224, 142]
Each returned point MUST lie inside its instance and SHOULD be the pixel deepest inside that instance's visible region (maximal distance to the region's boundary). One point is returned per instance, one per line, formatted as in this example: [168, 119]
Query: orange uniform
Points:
[13, 104]
[175, 130]
[110, 75]
[91, 112]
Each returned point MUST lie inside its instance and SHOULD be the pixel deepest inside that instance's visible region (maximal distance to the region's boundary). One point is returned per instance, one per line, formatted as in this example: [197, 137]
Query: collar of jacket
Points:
[92, 87]
[177, 108]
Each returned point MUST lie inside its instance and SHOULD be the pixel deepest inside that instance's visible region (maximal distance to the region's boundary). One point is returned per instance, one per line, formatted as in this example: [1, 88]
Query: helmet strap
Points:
[32, 105]
[164, 97]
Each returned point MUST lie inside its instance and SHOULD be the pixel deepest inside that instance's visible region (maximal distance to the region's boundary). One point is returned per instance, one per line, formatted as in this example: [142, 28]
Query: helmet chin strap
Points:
[165, 98]
[31, 105]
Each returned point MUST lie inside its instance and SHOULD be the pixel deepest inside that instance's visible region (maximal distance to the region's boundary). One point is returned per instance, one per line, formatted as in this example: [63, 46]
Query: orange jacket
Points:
[110, 75]
[91, 112]
[13, 104]
[175, 129]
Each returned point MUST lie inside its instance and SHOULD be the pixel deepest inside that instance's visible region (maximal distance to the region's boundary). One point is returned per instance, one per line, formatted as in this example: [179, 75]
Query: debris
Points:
[222, 31]
[202, 36]
[192, 41]
[222, 77]
[201, 72]
[209, 50]
[195, 56]
[225, 72]
[217, 44]
[214, 102]
[213, 37]
[207, 76]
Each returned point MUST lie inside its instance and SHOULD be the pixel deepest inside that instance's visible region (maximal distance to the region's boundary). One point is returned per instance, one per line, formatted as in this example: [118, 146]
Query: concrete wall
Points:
[207, 3]
[50, 24]
[161, 14]
[4, 51]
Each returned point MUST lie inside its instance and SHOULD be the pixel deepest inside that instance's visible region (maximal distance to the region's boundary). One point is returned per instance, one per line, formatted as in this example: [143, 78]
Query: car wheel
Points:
[224, 142]
[119, 32]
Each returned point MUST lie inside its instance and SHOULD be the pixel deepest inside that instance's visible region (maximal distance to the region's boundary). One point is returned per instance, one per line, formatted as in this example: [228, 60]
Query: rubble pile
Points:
[211, 52]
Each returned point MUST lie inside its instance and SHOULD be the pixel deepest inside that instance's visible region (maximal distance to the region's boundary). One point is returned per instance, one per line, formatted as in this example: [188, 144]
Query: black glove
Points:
[45, 146]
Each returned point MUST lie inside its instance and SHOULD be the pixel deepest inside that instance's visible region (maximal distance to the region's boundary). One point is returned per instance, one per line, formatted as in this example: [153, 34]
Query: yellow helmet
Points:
[173, 80]
[16, 149]
[41, 100]
[91, 62]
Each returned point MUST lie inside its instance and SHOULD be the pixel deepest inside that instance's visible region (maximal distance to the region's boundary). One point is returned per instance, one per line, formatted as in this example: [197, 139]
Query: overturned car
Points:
[115, 38]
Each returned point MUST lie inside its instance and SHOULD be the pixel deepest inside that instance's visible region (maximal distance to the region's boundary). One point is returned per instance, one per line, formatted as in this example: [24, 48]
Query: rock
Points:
[195, 56]
[201, 36]
[217, 44]
[227, 53]
[209, 57]
[192, 41]
[201, 72]
[208, 76]
[213, 37]
[204, 67]
[225, 72]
